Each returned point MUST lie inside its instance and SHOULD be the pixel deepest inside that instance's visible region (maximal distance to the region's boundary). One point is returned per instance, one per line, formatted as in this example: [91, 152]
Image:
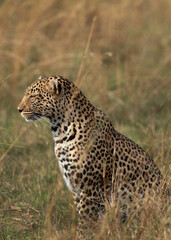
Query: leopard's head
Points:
[43, 98]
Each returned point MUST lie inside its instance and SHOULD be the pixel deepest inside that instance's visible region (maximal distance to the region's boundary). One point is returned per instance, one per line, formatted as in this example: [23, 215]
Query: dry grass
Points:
[126, 74]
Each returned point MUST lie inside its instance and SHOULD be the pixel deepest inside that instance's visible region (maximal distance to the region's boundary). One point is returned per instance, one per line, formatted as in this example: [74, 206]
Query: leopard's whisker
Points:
[41, 120]
[27, 112]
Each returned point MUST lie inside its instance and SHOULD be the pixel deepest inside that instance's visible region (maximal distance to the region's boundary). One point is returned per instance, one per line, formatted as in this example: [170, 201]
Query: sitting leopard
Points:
[98, 163]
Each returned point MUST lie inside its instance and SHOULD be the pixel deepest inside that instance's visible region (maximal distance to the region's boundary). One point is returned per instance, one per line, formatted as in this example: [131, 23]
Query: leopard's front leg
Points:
[89, 209]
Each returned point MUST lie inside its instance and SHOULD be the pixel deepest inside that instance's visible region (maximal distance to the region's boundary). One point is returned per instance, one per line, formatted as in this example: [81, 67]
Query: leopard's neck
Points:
[74, 126]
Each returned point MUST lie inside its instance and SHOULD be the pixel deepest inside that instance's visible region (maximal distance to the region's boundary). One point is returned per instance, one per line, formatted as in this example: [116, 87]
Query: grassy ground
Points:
[126, 74]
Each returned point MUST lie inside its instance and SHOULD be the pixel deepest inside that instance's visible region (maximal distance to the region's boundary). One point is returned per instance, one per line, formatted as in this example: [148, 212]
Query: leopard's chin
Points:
[31, 117]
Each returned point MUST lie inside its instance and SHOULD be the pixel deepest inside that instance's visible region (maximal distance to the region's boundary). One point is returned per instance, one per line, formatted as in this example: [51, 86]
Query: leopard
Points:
[98, 163]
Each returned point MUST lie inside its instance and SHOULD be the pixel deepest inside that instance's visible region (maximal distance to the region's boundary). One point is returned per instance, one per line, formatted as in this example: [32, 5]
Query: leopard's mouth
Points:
[31, 116]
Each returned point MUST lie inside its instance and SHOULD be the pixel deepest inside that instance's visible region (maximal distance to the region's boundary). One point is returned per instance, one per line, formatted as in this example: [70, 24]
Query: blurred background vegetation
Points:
[127, 74]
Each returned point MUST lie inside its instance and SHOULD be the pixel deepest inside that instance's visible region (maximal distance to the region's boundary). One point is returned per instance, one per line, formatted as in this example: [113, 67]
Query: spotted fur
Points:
[96, 161]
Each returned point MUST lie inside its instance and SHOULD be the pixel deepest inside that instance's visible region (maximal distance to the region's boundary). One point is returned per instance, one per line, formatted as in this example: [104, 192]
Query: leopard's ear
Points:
[54, 87]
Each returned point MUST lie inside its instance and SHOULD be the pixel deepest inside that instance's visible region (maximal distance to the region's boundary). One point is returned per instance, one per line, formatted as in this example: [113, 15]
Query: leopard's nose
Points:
[20, 109]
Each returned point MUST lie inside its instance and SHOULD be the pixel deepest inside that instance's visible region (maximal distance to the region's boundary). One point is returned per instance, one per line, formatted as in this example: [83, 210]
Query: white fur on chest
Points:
[64, 148]
[61, 166]
[66, 179]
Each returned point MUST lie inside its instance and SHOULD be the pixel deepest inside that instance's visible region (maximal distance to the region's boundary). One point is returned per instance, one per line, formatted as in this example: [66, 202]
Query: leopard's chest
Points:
[66, 156]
